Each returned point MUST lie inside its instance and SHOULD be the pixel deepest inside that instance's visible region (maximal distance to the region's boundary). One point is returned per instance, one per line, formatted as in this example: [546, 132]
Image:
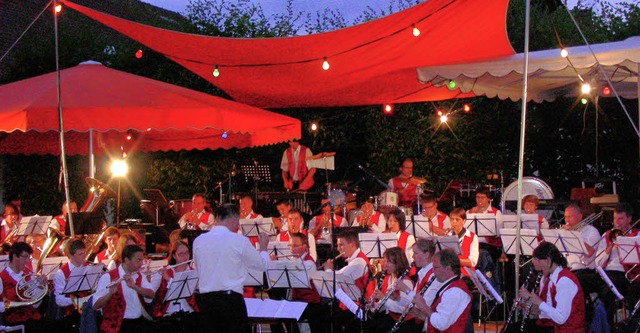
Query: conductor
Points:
[223, 258]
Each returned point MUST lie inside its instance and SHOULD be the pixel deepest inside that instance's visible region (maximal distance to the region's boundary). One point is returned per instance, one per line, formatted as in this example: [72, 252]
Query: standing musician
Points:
[179, 315]
[76, 252]
[608, 257]
[123, 291]
[60, 222]
[451, 307]
[198, 218]
[370, 219]
[562, 299]
[246, 208]
[423, 251]
[468, 240]
[19, 257]
[396, 223]
[295, 173]
[396, 267]
[111, 236]
[406, 185]
[439, 222]
[223, 258]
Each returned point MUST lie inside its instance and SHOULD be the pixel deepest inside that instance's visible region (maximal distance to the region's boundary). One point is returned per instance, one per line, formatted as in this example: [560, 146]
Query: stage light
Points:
[584, 101]
[139, 54]
[585, 88]
[216, 71]
[225, 134]
[451, 85]
[444, 118]
[129, 136]
[325, 64]
[58, 8]
[119, 168]
[606, 90]
[466, 108]
[415, 31]
[564, 53]
[124, 154]
[387, 109]
[439, 113]
[314, 127]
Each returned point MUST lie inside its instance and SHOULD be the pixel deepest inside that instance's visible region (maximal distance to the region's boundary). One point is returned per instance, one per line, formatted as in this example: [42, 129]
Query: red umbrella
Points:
[115, 106]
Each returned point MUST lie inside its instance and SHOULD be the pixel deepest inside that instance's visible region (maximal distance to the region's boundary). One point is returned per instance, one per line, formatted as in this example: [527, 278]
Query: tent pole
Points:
[523, 123]
[92, 161]
[63, 158]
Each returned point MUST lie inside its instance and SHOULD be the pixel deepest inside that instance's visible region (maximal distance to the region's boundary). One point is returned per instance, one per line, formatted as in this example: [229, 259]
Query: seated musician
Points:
[295, 173]
[397, 269]
[123, 291]
[295, 225]
[246, 208]
[451, 307]
[396, 224]
[35, 241]
[9, 223]
[125, 239]
[356, 270]
[608, 257]
[59, 222]
[283, 206]
[198, 218]
[179, 315]
[530, 206]
[438, 221]
[562, 299]
[368, 218]
[76, 252]
[14, 314]
[320, 226]
[491, 244]
[582, 266]
[467, 239]
[111, 236]
[423, 251]
[406, 185]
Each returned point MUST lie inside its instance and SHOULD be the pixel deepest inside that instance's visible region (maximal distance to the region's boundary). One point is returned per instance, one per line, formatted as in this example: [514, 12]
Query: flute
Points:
[116, 282]
[338, 256]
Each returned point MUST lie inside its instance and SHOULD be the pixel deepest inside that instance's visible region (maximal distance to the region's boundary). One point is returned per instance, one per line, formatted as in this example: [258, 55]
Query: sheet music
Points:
[529, 221]
[251, 227]
[84, 278]
[277, 248]
[567, 241]
[447, 242]
[33, 225]
[183, 285]
[528, 241]
[419, 227]
[373, 245]
[269, 308]
[483, 225]
[287, 274]
[629, 248]
[51, 265]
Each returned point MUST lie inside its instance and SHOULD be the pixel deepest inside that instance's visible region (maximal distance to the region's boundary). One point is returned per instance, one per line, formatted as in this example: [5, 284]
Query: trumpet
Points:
[407, 309]
[391, 290]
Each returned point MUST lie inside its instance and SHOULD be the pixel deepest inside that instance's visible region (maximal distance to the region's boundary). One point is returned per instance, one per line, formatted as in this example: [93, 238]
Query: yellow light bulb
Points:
[325, 64]
[415, 31]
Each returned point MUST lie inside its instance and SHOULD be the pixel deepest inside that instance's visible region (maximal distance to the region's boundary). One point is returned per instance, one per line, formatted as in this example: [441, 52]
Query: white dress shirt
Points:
[376, 226]
[590, 236]
[223, 259]
[210, 221]
[59, 282]
[566, 290]
[16, 277]
[133, 309]
[356, 267]
[453, 303]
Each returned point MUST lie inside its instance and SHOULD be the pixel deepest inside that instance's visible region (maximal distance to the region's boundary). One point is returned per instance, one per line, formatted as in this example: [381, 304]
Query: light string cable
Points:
[25, 31]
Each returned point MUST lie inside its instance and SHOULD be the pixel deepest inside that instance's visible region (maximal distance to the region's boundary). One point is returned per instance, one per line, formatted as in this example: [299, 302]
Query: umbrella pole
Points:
[63, 158]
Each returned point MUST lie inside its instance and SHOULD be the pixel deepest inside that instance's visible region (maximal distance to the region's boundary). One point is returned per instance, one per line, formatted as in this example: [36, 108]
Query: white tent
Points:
[550, 75]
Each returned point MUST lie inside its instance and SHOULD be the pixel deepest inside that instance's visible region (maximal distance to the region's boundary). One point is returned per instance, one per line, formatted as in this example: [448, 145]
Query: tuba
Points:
[98, 193]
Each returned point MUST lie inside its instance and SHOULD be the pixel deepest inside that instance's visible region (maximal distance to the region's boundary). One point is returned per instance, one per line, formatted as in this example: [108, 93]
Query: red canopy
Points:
[371, 63]
[161, 116]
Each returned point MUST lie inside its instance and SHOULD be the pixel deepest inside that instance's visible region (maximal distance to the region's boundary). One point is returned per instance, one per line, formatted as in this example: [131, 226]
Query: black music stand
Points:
[567, 241]
[158, 200]
[483, 225]
[256, 173]
[85, 223]
[287, 274]
[419, 227]
[373, 245]
[452, 190]
[181, 286]
[528, 241]
[278, 249]
[254, 278]
[84, 279]
[629, 250]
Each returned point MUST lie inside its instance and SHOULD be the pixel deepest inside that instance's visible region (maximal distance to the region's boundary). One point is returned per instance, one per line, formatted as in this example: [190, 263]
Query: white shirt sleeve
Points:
[397, 306]
[411, 240]
[253, 259]
[454, 302]
[381, 225]
[101, 289]
[566, 290]
[474, 251]
[58, 286]
[284, 164]
[355, 269]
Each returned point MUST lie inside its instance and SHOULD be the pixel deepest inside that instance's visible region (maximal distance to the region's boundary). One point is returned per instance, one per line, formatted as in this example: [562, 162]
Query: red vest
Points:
[460, 324]
[112, 319]
[441, 217]
[66, 271]
[160, 308]
[402, 240]
[204, 218]
[62, 222]
[406, 195]
[309, 295]
[576, 322]
[302, 165]
[15, 316]
[284, 236]
[362, 281]
[102, 255]
[420, 285]
[337, 220]
[385, 287]
[465, 248]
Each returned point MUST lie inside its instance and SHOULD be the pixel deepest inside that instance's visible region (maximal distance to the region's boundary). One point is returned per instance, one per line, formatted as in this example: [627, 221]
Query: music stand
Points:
[253, 227]
[629, 251]
[447, 242]
[253, 278]
[373, 245]
[4, 261]
[567, 241]
[287, 274]
[181, 286]
[528, 241]
[83, 279]
[33, 225]
[529, 221]
[51, 265]
[158, 200]
[419, 227]
[274, 309]
[278, 249]
[256, 172]
[483, 225]
[487, 292]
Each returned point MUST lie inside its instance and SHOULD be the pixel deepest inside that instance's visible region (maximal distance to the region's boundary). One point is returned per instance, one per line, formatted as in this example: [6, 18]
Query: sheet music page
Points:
[291, 310]
[253, 306]
[4, 261]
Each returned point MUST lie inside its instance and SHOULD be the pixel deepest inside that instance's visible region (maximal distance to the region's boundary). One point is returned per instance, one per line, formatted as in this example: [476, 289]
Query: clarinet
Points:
[516, 302]
[391, 290]
[406, 311]
[527, 310]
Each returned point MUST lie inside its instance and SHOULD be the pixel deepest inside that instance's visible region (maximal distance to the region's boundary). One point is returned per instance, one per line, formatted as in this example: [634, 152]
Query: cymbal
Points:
[413, 180]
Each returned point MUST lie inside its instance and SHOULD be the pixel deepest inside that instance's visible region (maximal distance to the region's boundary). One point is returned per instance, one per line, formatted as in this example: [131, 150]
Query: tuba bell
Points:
[98, 193]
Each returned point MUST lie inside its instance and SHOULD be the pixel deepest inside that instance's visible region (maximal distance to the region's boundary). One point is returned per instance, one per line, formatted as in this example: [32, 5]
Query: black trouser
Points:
[139, 325]
[223, 312]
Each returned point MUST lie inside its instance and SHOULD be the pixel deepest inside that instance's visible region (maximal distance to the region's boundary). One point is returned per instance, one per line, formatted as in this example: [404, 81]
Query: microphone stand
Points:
[373, 176]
